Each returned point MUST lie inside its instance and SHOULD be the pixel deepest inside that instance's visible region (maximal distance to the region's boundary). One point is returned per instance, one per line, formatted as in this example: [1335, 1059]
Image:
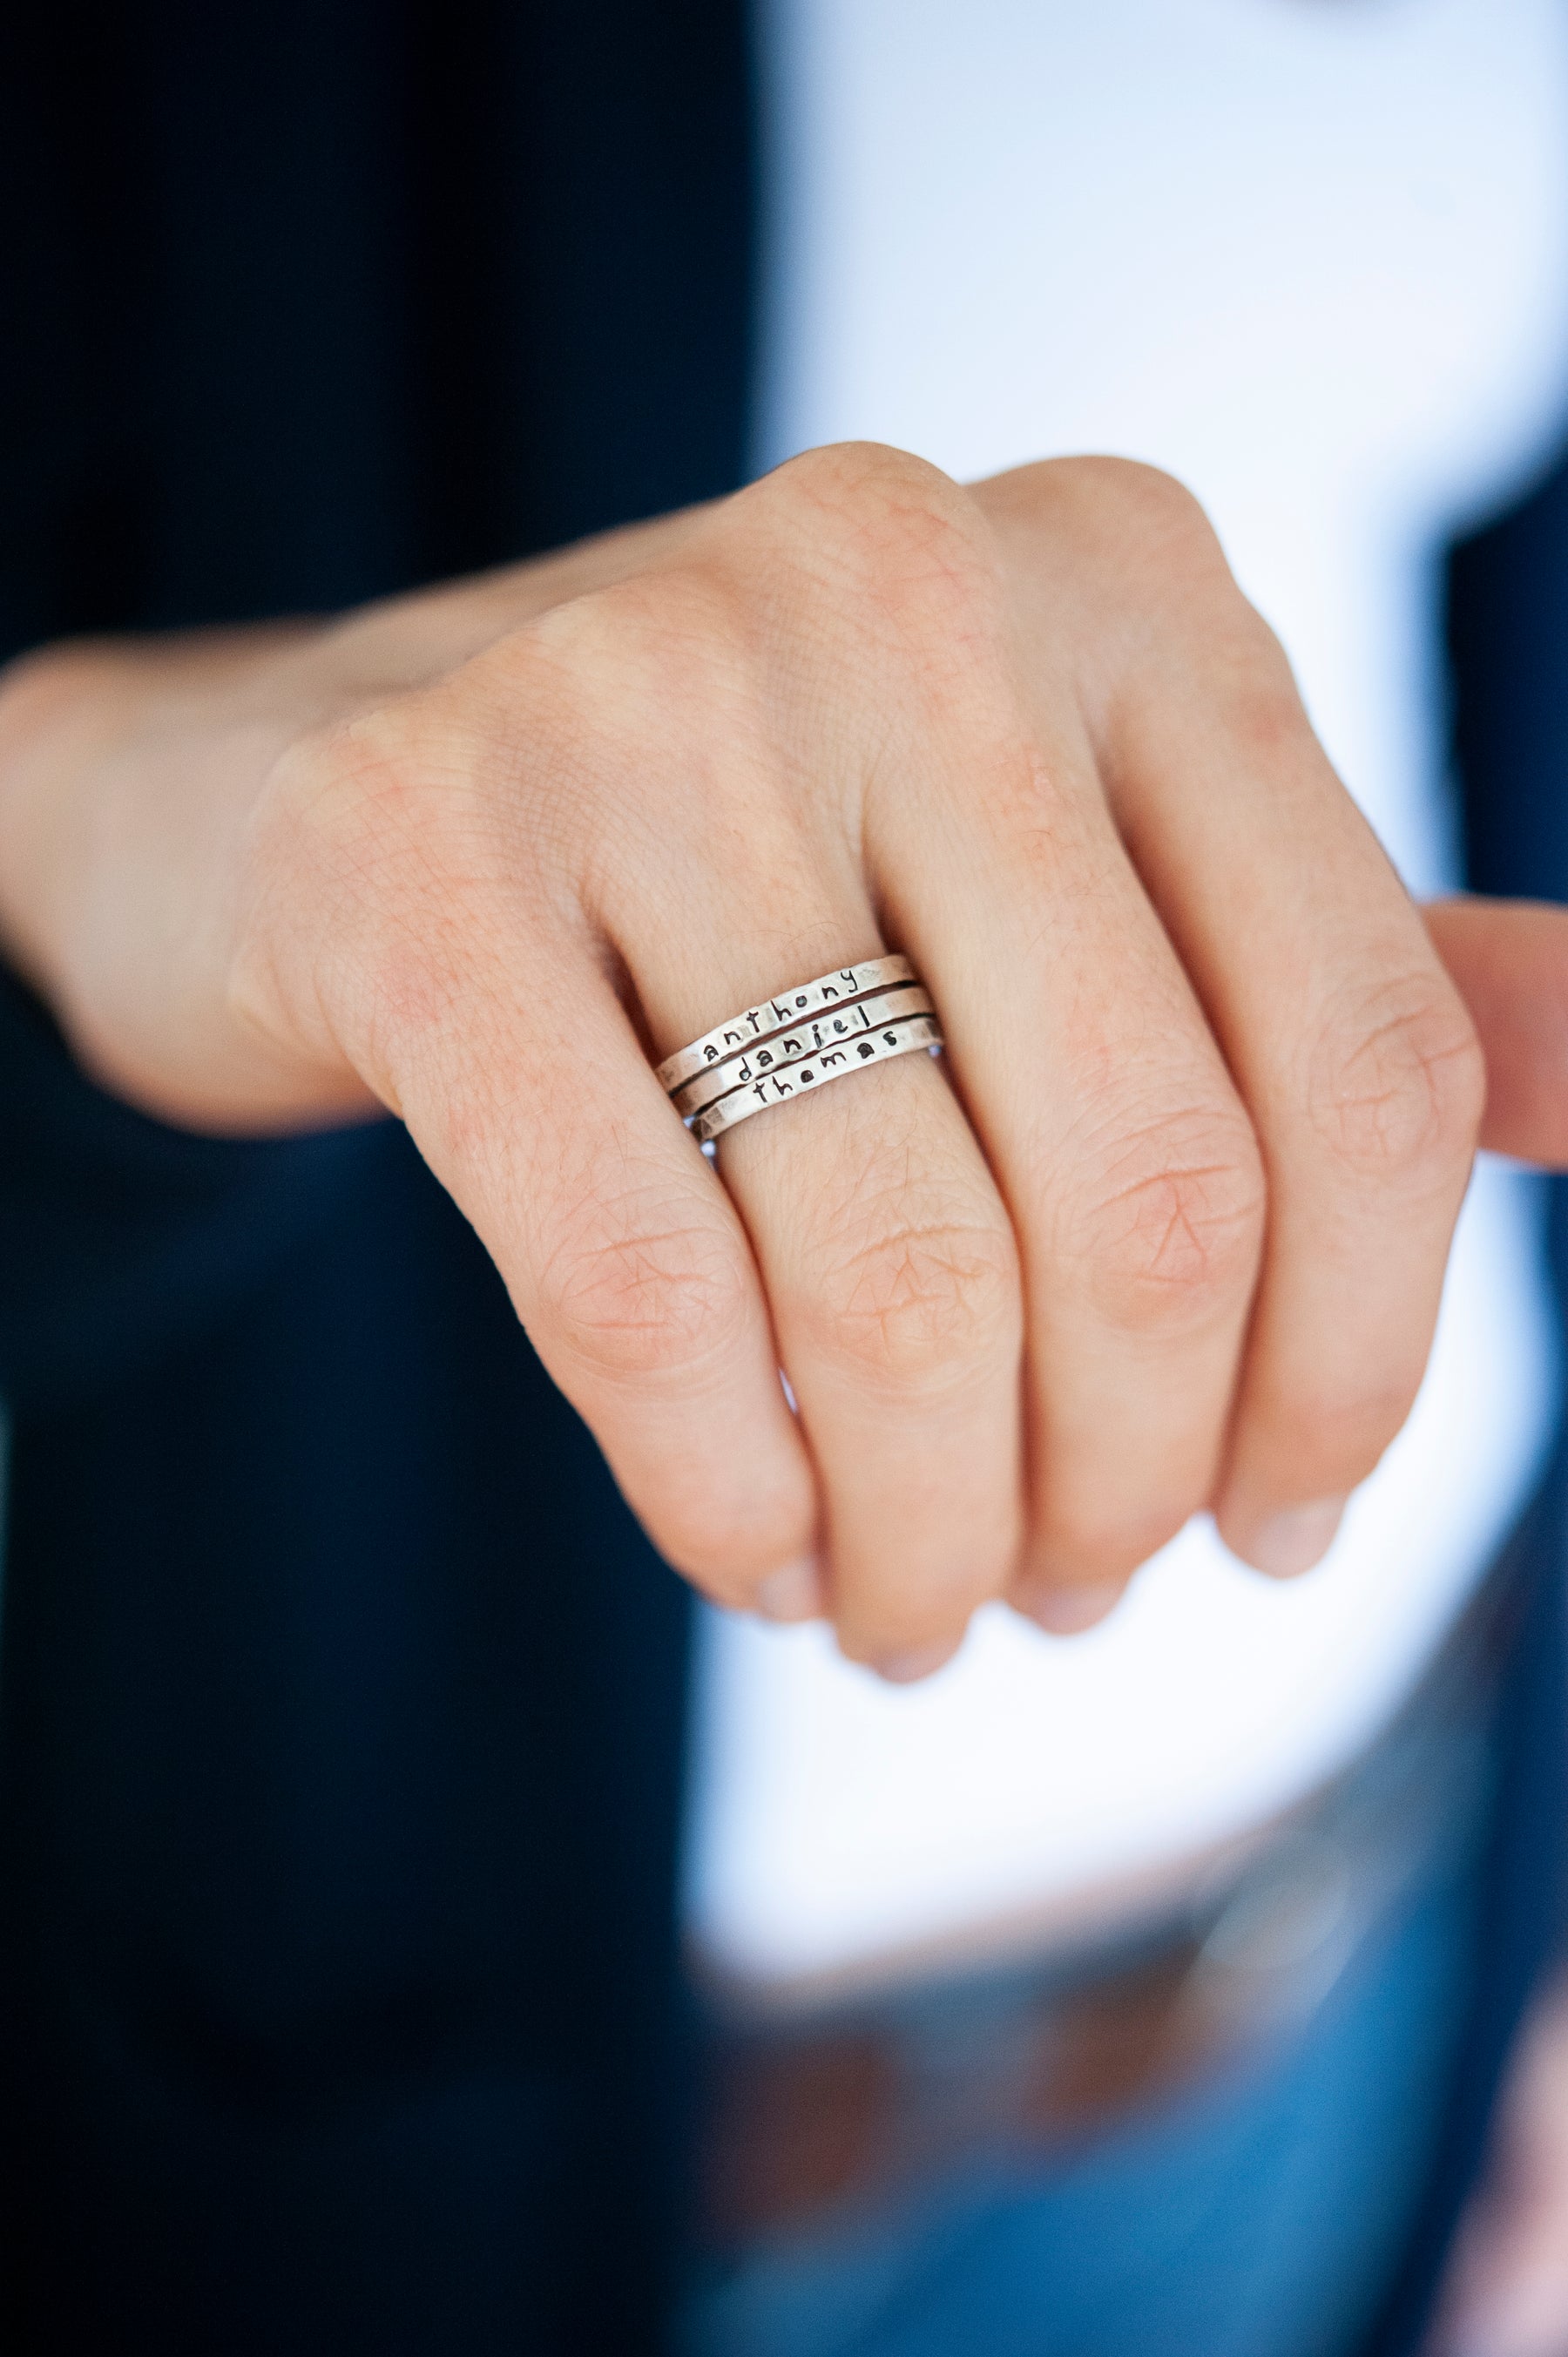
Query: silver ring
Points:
[878, 1047]
[832, 1028]
[754, 1022]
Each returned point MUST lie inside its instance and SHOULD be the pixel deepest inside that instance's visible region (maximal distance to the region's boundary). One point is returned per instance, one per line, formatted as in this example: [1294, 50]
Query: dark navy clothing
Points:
[341, 1700]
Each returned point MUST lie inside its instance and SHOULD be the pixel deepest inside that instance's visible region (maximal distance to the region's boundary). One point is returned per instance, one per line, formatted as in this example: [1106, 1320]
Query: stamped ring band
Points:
[813, 1032]
[774, 1013]
[813, 1035]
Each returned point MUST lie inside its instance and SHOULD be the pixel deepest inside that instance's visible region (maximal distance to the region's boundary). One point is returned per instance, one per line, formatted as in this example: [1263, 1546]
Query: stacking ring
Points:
[818, 1034]
[814, 1032]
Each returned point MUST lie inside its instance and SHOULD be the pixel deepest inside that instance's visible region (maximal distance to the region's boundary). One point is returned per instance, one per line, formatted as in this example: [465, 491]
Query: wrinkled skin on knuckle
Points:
[1168, 1221]
[905, 1305]
[1396, 1085]
[637, 1292]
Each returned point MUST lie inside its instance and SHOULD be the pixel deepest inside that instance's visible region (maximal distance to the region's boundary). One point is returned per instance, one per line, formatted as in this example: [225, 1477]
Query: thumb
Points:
[1508, 960]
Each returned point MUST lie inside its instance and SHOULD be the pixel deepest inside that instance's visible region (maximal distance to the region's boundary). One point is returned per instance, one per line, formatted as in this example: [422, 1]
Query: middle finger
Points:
[1123, 1151]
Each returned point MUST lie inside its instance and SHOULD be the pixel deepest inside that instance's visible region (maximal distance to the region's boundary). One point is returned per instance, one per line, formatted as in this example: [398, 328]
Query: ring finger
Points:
[888, 1263]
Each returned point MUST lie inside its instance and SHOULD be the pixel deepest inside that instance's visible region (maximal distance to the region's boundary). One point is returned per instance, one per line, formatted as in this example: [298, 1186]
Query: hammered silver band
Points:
[812, 1033]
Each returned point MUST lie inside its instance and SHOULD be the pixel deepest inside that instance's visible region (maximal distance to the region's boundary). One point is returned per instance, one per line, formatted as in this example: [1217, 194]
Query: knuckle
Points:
[355, 774]
[1397, 1084]
[658, 640]
[334, 845]
[1135, 485]
[1149, 511]
[900, 541]
[918, 1307]
[380, 858]
[1169, 1226]
[635, 1291]
[309, 796]
[649, 730]
[866, 480]
[376, 808]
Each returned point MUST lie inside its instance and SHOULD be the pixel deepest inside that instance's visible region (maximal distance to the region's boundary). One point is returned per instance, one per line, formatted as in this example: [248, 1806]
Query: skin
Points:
[1166, 1230]
[1167, 1227]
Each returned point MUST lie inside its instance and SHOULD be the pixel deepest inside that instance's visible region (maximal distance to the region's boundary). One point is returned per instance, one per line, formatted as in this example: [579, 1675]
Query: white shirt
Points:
[1314, 258]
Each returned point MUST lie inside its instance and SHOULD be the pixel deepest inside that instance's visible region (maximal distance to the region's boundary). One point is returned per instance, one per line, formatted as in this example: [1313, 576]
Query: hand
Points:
[1167, 1227]
[1507, 2290]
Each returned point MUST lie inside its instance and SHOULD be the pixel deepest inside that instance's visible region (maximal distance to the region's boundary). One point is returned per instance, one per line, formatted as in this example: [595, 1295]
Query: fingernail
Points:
[793, 1592]
[904, 1669]
[1065, 1611]
[1294, 1540]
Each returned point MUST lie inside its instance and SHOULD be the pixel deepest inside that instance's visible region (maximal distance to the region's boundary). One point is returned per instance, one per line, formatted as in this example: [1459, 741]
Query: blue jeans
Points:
[1259, 2216]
